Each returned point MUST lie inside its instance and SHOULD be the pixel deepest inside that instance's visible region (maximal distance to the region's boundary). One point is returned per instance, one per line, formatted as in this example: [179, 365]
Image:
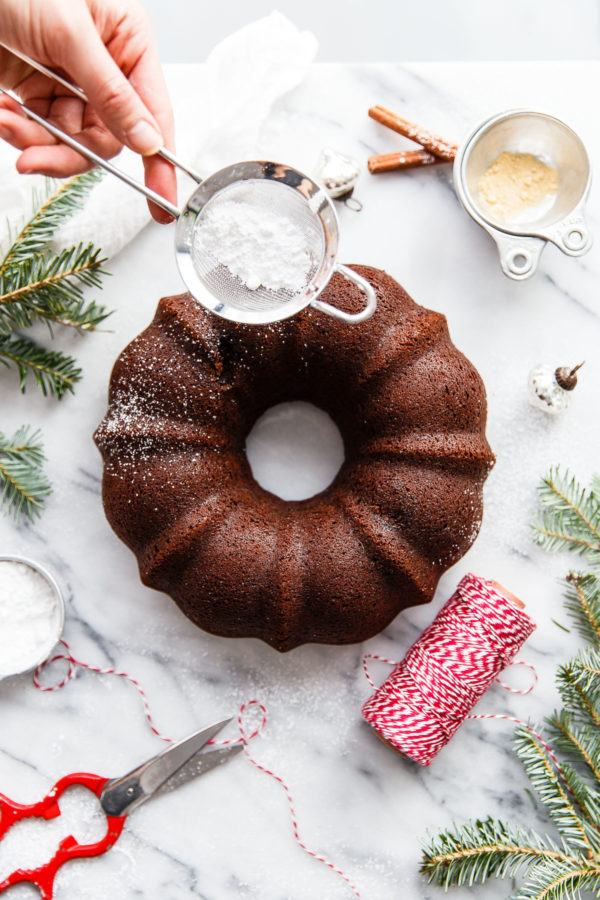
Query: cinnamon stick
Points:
[406, 159]
[435, 144]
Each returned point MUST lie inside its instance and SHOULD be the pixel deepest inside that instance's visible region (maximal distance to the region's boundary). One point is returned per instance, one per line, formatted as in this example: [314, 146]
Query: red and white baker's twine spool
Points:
[432, 690]
[244, 736]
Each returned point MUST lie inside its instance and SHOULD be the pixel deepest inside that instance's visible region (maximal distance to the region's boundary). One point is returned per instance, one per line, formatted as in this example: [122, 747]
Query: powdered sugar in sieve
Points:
[258, 243]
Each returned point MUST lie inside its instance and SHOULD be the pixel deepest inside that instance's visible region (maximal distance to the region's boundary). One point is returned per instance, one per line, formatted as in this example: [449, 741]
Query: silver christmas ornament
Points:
[338, 173]
[550, 388]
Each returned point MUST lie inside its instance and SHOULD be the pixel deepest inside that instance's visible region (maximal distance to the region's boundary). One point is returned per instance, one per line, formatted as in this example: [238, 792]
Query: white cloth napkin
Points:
[218, 120]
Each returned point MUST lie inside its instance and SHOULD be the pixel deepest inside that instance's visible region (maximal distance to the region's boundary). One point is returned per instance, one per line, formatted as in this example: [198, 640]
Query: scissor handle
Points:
[69, 847]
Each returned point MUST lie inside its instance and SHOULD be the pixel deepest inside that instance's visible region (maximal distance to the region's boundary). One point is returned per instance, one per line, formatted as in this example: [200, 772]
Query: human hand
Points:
[106, 47]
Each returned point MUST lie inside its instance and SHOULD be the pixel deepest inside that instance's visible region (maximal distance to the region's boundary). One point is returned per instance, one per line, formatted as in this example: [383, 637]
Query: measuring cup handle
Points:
[519, 256]
[366, 288]
[572, 235]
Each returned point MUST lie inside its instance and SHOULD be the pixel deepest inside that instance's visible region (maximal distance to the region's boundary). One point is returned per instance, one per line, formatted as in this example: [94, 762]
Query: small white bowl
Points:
[60, 624]
[521, 242]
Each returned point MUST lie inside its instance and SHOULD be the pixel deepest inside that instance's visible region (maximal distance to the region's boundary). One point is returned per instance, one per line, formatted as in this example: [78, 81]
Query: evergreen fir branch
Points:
[54, 372]
[82, 315]
[77, 265]
[576, 742]
[67, 199]
[579, 687]
[570, 516]
[558, 880]
[51, 289]
[582, 600]
[586, 803]
[478, 850]
[23, 485]
[552, 792]
[37, 284]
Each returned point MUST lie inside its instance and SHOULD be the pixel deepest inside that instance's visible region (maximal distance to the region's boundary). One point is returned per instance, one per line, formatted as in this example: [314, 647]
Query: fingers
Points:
[111, 94]
[42, 152]
[128, 101]
[160, 176]
[147, 78]
[56, 161]
[17, 129]
[122, 109]
[67, 114]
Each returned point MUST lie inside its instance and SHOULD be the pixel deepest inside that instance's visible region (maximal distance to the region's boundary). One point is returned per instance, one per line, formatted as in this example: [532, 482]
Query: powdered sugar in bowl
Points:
[32, 615]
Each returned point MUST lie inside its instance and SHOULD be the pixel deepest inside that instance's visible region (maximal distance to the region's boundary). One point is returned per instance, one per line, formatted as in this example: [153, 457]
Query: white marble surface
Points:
[229, 835]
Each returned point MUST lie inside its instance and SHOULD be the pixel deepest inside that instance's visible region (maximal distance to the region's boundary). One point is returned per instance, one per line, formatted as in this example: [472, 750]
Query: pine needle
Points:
[53, 371]
[23, 485]
[40, 284]
[553, 792]
[576, 741]
[50, 288]
[474, 852]
[582, 600]
[570, 516]
[63, 200]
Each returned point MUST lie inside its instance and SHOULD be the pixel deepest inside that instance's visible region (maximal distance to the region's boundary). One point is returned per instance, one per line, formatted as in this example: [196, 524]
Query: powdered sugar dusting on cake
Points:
[405, 505]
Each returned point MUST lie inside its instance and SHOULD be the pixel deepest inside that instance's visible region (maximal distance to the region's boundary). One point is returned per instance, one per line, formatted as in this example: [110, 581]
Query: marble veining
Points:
[228, 835]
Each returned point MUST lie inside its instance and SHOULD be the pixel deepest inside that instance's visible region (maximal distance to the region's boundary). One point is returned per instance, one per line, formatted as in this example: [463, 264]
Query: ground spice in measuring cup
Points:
[515, 183]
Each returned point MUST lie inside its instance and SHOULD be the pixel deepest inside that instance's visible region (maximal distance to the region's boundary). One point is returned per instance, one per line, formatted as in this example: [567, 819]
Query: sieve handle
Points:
[50, 73]
[365, 287]
[93, 157]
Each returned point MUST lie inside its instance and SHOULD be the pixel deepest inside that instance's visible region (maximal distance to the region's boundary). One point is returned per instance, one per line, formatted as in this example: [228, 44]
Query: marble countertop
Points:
[229, 835]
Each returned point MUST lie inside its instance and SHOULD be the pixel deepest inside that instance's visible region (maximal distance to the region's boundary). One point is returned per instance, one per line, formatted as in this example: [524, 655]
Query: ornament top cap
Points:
[567, 377]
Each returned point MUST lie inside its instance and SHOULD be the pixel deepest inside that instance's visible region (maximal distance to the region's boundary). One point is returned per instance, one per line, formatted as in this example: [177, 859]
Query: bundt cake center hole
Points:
[295, 450]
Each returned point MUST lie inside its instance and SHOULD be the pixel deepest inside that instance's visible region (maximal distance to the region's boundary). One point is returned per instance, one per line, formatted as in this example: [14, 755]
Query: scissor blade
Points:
[167, 763]
[199, 765]
[122, 795]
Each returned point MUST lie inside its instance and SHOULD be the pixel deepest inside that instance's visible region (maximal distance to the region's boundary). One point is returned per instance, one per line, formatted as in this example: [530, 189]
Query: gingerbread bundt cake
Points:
[335, 568]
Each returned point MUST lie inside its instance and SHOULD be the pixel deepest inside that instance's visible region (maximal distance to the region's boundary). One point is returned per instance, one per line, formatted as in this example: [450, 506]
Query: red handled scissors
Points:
[118, 797]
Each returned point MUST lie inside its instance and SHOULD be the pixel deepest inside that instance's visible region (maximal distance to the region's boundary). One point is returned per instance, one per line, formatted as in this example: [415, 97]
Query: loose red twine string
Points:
[244, 737]
[74, 662]
[431, 691]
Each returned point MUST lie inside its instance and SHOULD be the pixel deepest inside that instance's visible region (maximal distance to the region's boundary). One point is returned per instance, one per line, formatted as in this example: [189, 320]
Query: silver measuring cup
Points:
[520, 243]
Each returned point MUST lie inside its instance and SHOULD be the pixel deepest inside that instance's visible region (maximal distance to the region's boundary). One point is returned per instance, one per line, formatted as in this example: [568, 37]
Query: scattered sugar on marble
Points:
[29, 617]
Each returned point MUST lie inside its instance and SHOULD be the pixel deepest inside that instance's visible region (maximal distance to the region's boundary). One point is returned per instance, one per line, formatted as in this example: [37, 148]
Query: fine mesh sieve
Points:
[293, 198]
[267, 197]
